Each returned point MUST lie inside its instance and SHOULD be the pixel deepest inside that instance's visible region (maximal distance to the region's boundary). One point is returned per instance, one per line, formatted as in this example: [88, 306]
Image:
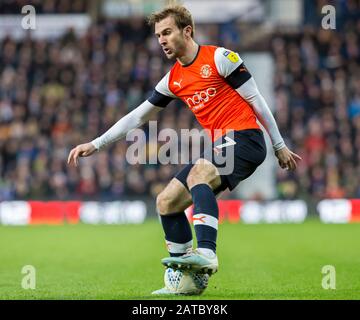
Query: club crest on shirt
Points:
[205, 71]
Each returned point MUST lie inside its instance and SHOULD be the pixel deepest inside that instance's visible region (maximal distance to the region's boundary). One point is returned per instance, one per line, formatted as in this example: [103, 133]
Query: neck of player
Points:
[190, 53]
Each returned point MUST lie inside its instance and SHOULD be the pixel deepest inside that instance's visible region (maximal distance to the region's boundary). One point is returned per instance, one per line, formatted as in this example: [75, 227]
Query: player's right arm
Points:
[159, 99]
[131, 121]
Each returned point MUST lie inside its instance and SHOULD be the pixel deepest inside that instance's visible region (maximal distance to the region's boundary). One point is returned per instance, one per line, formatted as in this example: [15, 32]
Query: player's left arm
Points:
[250, 92]
[232, 68]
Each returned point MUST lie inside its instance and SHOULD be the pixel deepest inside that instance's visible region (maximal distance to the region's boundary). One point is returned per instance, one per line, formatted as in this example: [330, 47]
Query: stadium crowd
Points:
[57, 94]
[44, 6]
[317, 84]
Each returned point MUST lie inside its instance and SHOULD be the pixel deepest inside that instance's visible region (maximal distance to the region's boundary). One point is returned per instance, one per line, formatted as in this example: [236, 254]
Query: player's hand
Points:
[287, 158]
[82, 150]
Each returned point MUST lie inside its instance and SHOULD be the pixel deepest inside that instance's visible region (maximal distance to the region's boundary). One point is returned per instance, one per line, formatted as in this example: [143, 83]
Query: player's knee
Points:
[196, 176]
[163, 203]
[203, 172]
[193, 179]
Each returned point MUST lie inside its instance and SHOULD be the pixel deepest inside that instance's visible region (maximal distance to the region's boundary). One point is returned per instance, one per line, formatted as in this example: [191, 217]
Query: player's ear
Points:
[187, 32]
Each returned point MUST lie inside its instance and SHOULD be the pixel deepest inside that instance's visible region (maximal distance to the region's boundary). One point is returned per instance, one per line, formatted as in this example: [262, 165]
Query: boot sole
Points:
[191, 267]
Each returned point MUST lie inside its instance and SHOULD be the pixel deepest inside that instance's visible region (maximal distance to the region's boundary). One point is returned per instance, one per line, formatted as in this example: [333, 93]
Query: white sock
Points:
[207, 252]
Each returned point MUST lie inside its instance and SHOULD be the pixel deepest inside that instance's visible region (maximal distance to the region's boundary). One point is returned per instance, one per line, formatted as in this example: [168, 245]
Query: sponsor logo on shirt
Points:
[178, 83]
[226, 53]
[199, 98]
[232, 56]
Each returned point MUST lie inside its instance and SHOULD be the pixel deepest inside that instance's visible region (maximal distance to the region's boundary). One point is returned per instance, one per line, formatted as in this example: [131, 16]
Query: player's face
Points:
[170, 37]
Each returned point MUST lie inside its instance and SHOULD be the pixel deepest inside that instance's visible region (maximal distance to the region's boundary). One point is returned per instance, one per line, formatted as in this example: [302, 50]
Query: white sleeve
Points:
[131, 121]
[251, 94]
[163, 86]
[226, 61]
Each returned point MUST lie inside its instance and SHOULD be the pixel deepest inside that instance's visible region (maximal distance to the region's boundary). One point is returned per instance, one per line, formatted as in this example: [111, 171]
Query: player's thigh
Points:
[204, 172]
[174, 198]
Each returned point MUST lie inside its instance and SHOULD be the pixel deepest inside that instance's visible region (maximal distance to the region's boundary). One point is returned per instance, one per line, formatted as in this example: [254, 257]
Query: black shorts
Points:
[244, 156]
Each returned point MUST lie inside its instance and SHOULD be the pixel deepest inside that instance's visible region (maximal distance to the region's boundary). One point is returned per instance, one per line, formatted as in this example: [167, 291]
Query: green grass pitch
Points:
[123, 262]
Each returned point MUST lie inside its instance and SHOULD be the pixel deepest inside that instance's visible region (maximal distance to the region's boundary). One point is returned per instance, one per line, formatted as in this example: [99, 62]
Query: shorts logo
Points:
[205, 71]
[232, 56]
[229, 142]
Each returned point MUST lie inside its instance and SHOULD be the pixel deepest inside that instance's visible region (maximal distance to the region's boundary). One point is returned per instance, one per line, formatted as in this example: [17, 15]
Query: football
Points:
[185, 282]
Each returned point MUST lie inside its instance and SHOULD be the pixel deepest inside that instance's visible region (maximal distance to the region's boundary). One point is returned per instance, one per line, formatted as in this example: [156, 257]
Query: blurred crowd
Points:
[318, 109]
[57, 94]
[317, 84]
[44, 6]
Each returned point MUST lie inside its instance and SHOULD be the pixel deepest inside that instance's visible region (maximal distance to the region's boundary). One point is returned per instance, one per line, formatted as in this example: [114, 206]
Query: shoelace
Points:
[190, 252]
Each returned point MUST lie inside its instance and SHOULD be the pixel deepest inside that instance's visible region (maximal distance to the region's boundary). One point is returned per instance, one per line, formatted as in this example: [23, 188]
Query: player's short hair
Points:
[181, 15]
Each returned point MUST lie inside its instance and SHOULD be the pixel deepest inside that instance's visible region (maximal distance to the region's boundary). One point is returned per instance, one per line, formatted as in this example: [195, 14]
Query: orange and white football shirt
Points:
[218, 89]
[203, 86]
